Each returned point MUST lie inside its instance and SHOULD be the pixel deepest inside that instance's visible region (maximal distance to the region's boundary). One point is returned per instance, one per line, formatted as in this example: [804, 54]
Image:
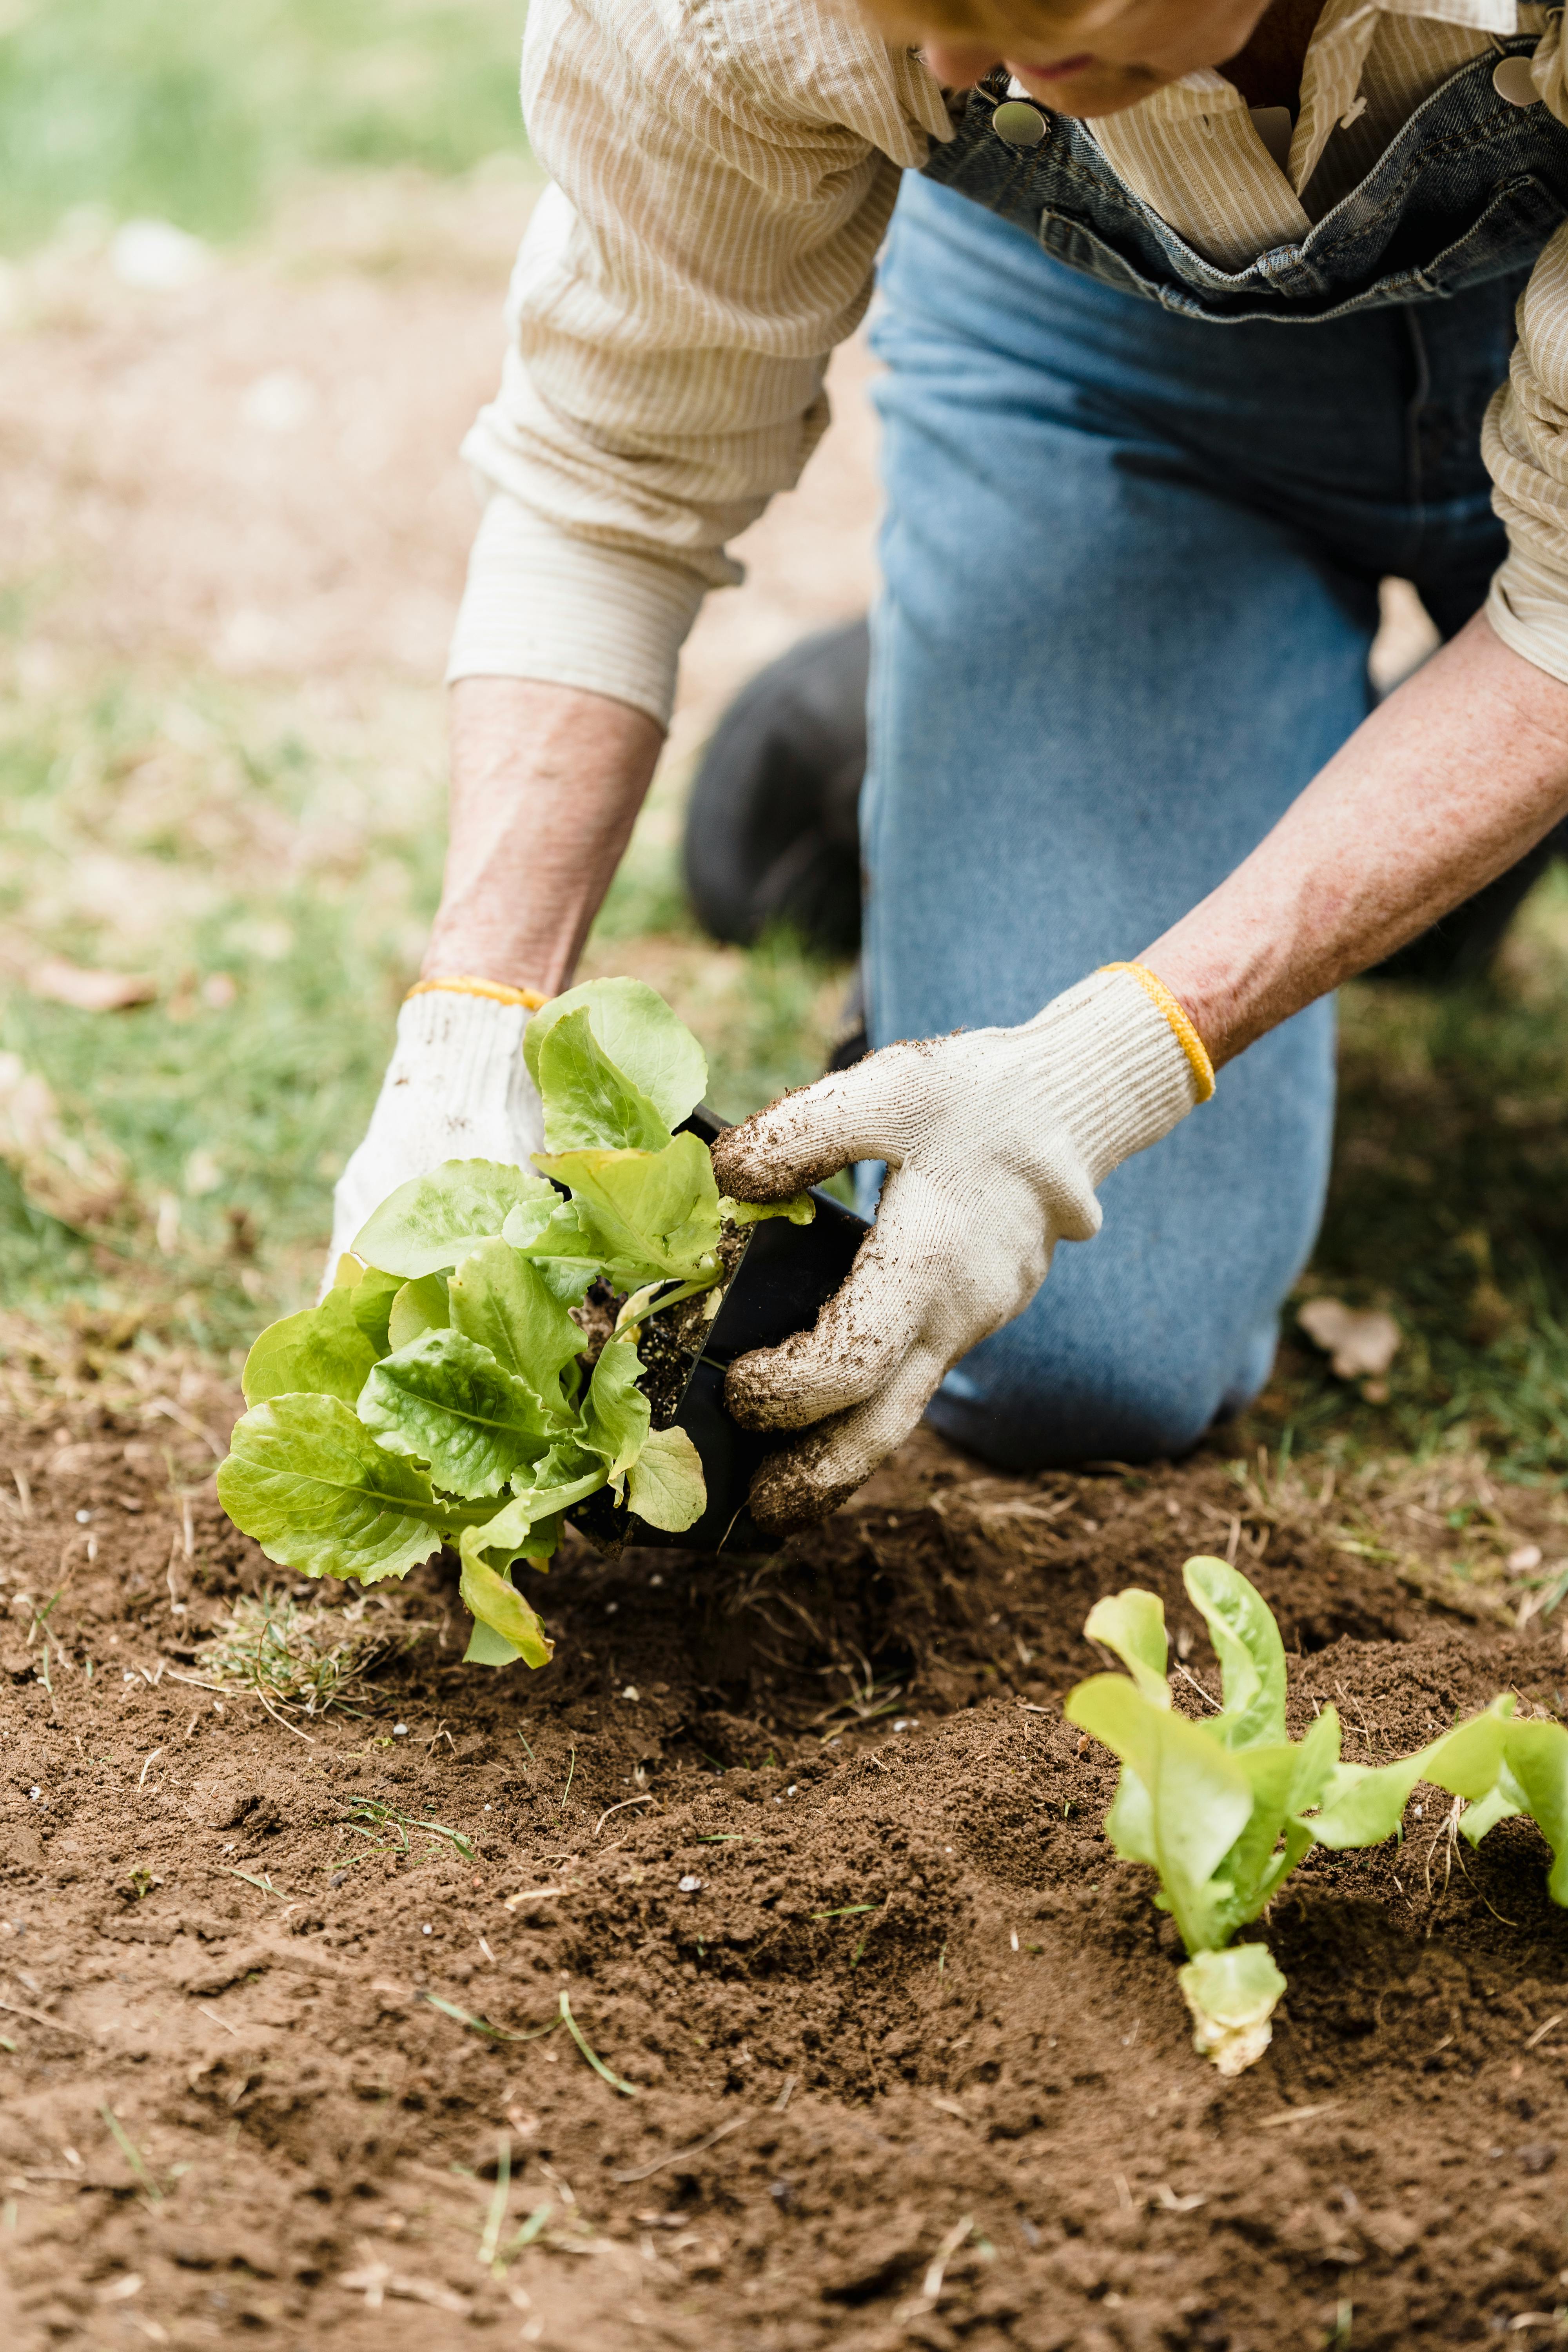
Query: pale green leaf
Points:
[1363, 1804]
[320, 1352]
[1282, 1779]
[651, 1212]
[432, 1222]
[551, 1235]
[646, 1041]
[1251, 1654]
[1465, 1761]
[1199, 1798]
[419, 1307]
[502, 1301]
[565, 1476]
[447, 1401]
[665, 1484]
[1503, 1801]
[1131, 1626]
[800, 1209]
[589, 1104]
[489, 1648]
[1538, 1761]
[494, 1601]
[310, 1483]
[1129, 1823]
[371, 1305]
[616, 1414]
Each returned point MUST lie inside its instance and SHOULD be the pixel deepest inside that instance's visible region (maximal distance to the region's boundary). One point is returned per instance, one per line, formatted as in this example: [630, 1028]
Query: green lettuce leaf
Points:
[448, 1402]
[651, 1213]
[616, 1414]
[429, 1224]
[588, 1103]
[665, 1486]
[319, 1495]
[1534, 1779]
[554, 1237]
[646, 1040]
[1131, 1626]
[1251, 1654]
[502, 1301]
[528, 1528]
[496, 1604]
[419, 1307]
[800, 1209]
[489, 1648]
[371, 1305]
[1199, 1798]
[321, 1352]
[1362, 1805]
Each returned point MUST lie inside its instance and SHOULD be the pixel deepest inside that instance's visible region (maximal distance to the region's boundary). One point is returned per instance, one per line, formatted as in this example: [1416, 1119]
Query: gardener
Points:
[1196, 319]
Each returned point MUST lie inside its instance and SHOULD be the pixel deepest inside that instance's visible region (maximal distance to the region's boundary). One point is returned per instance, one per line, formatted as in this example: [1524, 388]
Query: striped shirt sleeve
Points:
[1525, 441]
[720, 187]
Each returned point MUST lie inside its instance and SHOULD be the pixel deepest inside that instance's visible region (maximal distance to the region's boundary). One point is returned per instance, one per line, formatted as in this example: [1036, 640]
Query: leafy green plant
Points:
[1214, 1806]
[1224, 1807]
[445, 1390]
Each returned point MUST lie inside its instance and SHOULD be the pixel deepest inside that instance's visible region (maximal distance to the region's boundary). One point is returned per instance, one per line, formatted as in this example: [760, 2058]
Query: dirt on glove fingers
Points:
[820, 1868]
[789, 1491]
[747, 1159]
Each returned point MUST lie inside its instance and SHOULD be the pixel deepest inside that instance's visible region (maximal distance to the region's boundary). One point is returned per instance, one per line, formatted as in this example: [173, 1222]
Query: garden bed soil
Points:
[912, 2066]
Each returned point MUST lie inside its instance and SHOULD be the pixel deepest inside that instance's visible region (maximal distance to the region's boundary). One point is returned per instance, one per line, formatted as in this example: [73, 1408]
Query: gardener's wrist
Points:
[1124, 1063]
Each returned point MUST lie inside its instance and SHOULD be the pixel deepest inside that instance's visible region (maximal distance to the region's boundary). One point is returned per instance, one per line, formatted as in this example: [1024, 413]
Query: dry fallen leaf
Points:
[1361, 1342]
[86, 990]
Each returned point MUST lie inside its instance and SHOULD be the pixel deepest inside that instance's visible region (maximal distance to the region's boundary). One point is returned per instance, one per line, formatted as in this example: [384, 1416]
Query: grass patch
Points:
[274, 873]
[304, 1658]
[202, 116]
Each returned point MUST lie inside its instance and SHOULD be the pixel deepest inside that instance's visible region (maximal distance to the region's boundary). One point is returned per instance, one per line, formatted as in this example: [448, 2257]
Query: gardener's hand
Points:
[995, 1142]
[457, 1089]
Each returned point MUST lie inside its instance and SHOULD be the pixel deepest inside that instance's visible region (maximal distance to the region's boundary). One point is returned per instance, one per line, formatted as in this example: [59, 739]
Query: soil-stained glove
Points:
[457, 1089]
[995, 1140]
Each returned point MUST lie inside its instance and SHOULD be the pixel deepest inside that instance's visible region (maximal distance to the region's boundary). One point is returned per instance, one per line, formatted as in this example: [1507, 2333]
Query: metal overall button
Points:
[1512, 82]
[1017, 124]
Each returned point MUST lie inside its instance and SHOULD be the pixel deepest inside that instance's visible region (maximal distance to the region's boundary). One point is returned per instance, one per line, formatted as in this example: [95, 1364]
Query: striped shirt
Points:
[722, 175]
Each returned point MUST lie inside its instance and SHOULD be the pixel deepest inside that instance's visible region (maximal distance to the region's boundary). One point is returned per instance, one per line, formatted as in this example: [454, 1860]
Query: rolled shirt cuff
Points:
[543, 604]
[1528, 608]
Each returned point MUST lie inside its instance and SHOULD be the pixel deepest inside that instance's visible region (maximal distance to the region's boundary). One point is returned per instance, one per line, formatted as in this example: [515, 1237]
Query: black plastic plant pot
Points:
[786, 1274]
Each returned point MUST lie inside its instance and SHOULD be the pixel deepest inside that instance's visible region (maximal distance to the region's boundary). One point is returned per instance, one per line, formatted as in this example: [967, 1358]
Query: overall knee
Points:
[1028, 1411]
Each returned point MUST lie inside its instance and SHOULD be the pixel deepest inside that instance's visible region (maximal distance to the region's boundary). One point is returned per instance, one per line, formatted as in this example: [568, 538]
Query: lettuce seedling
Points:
[442, 1392]
[1224, 1807]
[1214, 1806]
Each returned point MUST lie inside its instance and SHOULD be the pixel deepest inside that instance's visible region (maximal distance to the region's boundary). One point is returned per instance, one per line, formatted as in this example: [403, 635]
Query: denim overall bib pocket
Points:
[1467, 192]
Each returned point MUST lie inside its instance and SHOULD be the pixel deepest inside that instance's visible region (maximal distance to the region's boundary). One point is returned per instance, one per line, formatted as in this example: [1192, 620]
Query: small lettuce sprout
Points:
[442, 1391]
[1223, 1808]
[1213, 1806]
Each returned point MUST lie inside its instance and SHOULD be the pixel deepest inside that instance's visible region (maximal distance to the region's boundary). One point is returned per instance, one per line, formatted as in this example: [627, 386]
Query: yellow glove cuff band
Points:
[464, 983]
[1188, 1037]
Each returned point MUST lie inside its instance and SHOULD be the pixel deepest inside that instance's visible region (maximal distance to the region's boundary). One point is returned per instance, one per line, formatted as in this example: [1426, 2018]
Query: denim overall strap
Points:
[1469, 190]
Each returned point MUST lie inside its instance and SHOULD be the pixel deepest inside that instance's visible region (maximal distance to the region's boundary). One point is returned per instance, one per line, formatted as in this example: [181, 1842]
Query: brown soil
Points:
[968, 2112]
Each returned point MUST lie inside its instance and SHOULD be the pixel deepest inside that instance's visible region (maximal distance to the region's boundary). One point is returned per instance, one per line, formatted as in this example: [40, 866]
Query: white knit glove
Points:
[457, 1089]
[995, 1142]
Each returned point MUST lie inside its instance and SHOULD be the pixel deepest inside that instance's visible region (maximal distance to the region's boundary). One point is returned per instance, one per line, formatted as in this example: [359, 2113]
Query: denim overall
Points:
[1130, 567]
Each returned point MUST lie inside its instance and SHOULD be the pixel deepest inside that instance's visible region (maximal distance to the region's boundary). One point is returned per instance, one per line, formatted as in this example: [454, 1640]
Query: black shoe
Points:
[772, 830]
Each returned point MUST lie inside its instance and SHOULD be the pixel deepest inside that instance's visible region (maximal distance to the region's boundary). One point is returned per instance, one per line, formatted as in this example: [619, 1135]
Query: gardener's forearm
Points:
[546, 785]
[1444, 786]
